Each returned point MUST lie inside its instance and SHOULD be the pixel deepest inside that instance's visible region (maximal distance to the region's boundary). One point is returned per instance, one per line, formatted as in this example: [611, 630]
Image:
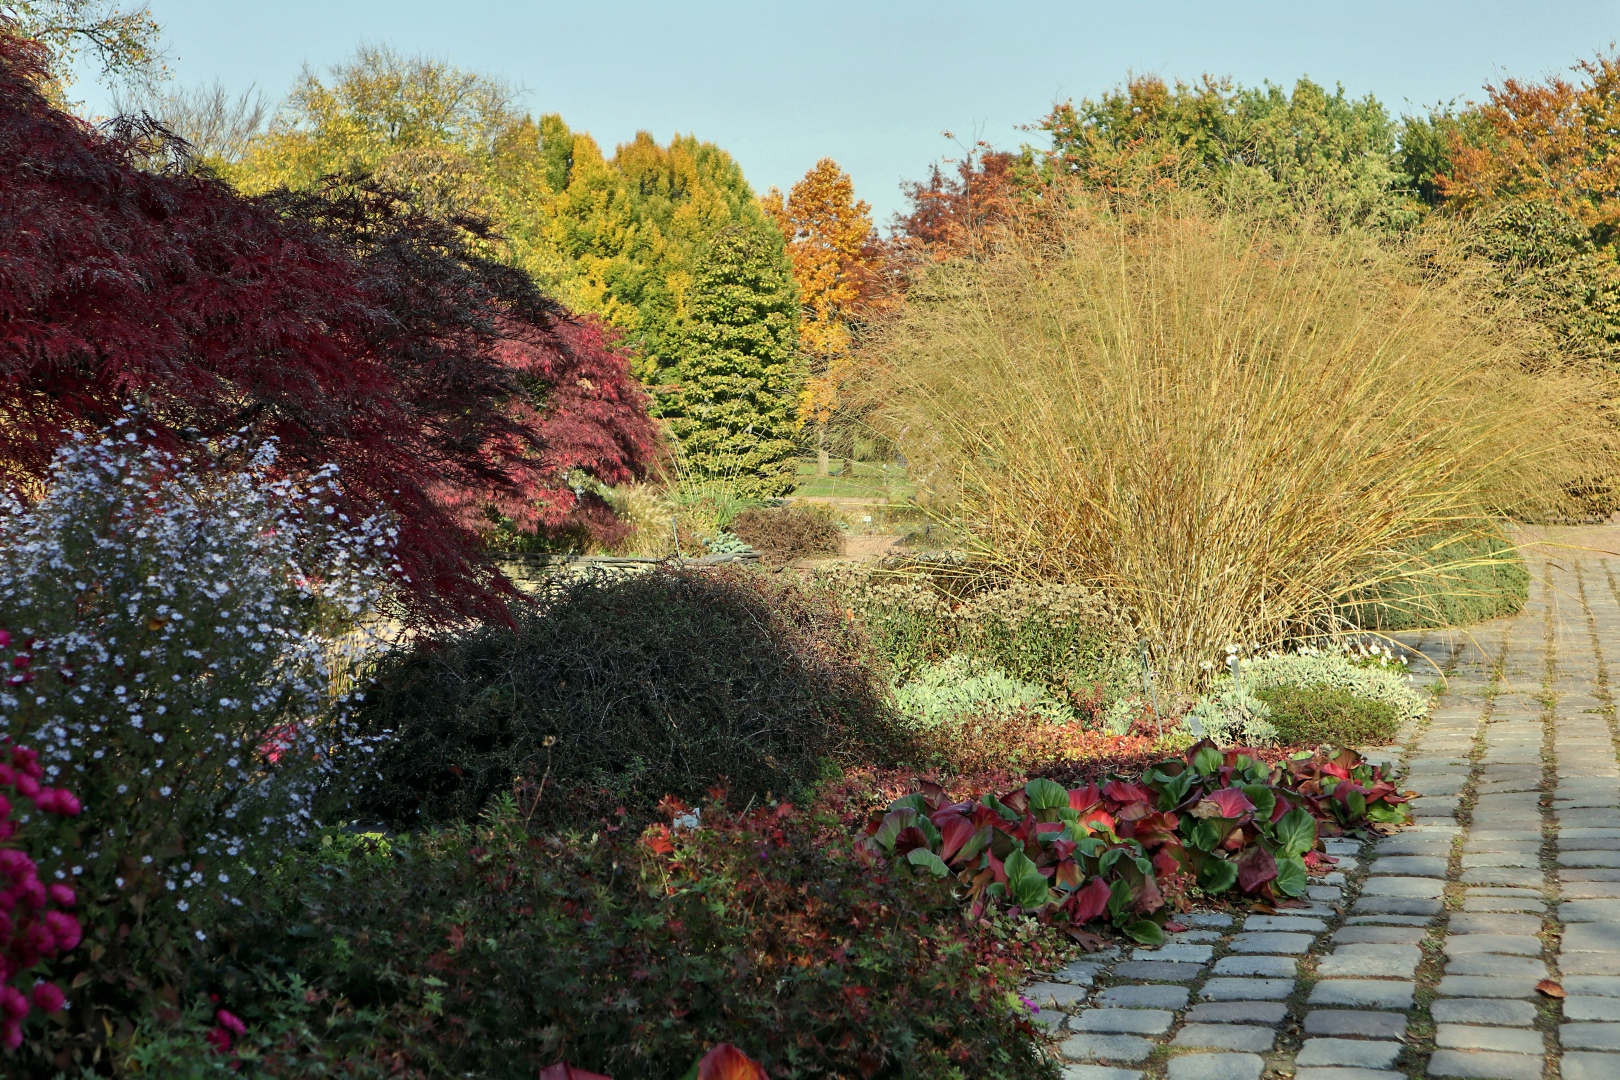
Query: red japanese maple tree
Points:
[342, 322]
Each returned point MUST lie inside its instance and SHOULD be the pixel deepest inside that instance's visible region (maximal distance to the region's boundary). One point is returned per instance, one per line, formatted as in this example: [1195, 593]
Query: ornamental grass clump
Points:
[1226, 428]
[176, 611]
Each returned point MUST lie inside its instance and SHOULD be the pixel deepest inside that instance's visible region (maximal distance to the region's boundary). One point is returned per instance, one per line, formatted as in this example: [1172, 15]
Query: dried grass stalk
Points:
[1226, 428]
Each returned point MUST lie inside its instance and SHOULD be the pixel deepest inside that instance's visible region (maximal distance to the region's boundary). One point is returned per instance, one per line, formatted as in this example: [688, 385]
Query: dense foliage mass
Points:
[342, 323]
[489, 951]
[616, 692]
[629, 238]
[1132, 851]
[1309, 150]
[1197, 413]
[730, 398]
[177, 679]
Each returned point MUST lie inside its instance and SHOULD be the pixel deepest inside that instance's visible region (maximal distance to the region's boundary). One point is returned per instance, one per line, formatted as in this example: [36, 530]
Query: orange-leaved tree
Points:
[1555, 142]
[839, 265]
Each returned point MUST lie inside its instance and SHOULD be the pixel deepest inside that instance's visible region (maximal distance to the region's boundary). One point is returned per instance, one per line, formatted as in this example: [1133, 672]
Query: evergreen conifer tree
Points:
[731, 397]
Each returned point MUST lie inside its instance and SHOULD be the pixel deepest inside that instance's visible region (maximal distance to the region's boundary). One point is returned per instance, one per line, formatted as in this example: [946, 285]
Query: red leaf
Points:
[1231, 802]
[1087, 941]
[1255, 868]
[909, 838]
[1084, 798]
[1123, 792]
[1091, 901]
[1068, 874]
[955, 830]
[726, 1062]
[1155, 829]
[1100, 819]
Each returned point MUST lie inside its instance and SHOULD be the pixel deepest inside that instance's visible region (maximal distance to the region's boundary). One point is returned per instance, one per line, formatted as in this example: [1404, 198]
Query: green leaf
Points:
[894, 822]
[1295, 832]
[929, 830]
[1208, 833]
[1357, 802]
[924, 859]
[1119, 898]
[1046, 794]
[1007, 813]
[914, 801]
[1264, 799]
[1383, 812]
[1290, 880]
[979, 841]
[1217, 875]
[1146, 931]
[1024, 881]
[1109, 859]
[1207, 761]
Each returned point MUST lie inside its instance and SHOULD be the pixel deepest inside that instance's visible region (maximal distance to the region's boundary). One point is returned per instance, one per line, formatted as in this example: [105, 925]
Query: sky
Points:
[875, 84]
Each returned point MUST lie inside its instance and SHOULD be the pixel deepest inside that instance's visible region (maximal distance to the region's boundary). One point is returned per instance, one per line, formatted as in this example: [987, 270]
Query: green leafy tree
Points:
[733, 394]
[621, 237]
[1305, 151]
[122, 39]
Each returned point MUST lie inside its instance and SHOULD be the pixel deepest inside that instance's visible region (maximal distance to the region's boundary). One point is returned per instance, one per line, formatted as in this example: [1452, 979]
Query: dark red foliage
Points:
[340, 322]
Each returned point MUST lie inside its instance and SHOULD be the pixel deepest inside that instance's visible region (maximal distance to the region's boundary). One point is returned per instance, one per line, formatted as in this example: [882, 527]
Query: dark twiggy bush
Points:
[617, 692]
[785, 533]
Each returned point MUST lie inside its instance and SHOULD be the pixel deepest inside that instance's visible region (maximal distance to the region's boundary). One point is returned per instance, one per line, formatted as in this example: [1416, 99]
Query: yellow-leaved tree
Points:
[838, 263]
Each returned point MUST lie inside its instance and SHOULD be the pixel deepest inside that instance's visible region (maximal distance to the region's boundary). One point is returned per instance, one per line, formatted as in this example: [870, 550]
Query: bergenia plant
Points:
[1127, 849]
[178, 612]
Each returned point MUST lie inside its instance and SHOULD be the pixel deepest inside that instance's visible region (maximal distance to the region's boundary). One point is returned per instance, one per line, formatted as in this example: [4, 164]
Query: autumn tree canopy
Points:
[621, 237]
[839, 264]
[342, 321]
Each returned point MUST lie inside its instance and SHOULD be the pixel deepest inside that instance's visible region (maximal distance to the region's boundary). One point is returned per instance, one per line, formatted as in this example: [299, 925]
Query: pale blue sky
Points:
[873, 84]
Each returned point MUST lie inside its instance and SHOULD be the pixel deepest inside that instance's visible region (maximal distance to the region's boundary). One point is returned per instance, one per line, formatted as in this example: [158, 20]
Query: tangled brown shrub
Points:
[616, 692]
[784, 533]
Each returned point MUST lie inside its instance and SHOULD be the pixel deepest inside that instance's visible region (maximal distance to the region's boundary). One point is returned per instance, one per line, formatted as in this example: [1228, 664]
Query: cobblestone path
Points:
[1422, 956]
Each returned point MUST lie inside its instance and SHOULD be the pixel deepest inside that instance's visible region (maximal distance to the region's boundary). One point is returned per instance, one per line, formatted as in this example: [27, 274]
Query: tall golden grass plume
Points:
[1226, 427]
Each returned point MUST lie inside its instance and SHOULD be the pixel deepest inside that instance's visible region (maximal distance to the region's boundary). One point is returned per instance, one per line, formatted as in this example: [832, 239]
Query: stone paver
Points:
[1510, 874]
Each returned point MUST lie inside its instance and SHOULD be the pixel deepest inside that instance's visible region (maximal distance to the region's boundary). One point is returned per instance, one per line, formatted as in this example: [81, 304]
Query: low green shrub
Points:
[484, 951]
[1230, 715]
[1460, 582]
[1309, 715]
[1369, 673]
[957, 689]
[618, 691]
[785, 533]
[918, 615]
